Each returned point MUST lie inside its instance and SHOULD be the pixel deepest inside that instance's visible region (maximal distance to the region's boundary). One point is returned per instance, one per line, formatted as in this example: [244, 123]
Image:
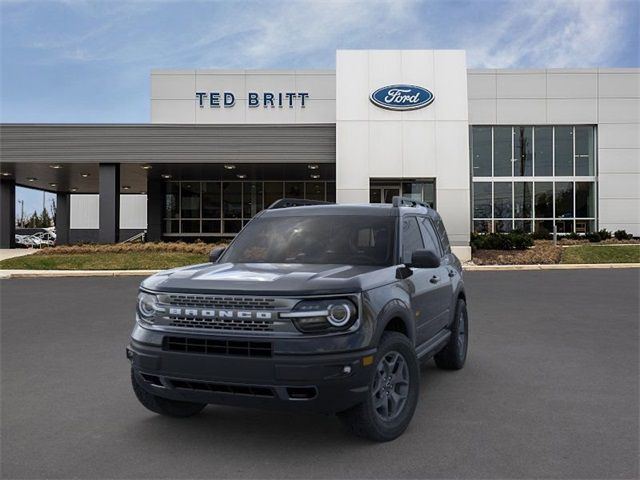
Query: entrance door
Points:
[383, 194]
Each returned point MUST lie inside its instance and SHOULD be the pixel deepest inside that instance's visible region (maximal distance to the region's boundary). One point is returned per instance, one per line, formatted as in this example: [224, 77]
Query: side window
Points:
[411, 238]
[442, 233]
[431, 241]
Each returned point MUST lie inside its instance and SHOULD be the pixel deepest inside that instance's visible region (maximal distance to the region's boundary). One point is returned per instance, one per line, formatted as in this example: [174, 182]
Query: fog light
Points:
[368, 360]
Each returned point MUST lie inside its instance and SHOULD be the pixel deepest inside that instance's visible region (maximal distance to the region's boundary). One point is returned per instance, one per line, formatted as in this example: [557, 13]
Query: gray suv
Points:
[312, 307]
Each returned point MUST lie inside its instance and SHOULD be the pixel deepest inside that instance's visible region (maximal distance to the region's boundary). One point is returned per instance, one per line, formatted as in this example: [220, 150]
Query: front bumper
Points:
[324, 383]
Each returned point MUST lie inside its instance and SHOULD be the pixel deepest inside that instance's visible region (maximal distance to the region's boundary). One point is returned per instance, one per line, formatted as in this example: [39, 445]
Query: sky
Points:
[88, 61]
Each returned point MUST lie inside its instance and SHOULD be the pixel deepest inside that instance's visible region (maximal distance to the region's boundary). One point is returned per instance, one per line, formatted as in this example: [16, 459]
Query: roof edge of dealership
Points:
[492, 149]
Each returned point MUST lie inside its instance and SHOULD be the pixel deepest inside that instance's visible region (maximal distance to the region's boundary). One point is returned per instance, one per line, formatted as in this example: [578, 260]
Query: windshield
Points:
[335, 239]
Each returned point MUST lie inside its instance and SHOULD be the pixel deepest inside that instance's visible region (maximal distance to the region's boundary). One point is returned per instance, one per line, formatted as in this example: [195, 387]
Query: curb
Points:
[6, 274]
[553, 266]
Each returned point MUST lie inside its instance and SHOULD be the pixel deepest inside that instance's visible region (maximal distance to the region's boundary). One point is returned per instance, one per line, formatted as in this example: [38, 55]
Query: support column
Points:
[7, 213]
[109, 190]
[155, 205]
[63, 218]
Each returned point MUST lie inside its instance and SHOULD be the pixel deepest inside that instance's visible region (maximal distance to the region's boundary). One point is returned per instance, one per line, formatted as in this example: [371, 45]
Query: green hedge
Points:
[501, 241]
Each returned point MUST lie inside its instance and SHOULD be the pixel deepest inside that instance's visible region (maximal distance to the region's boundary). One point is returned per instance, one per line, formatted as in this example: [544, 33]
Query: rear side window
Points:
[431, 241]
[442, 233]
[411, 238]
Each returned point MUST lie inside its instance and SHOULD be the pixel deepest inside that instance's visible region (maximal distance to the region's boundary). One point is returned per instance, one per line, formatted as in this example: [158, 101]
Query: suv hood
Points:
[270, 279]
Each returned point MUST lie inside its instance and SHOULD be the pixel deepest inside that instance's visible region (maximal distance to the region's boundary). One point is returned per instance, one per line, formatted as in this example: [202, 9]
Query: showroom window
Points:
[222, 208]
[531, 178]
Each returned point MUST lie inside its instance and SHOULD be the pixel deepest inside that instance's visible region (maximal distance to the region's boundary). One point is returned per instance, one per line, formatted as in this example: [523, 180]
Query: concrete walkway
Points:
[6, 253]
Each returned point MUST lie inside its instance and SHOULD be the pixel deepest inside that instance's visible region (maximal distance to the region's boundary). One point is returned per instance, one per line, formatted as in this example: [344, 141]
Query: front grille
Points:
[217, 347]
[218, 301]
[251, 390]
[222, 324]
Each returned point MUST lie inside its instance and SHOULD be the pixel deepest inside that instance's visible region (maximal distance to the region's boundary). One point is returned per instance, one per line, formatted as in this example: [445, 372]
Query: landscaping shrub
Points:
[515, 240]
[573, 236]
[604, 234]
[542, 233]
[622, 235]
[593, 237]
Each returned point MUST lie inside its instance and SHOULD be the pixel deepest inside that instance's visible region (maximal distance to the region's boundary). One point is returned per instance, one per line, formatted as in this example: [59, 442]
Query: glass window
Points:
[190, 200]
[503, 226]
[564, 151]
[412, 191]
[482, 199]
[232, 199]
[523, 225]
[584, 151]
[442, 232]
[502, 207]
[319, 239]
[232, 226]
[190, 226]
[482, 226]
[211, 200]
[172, 226]
[502, 153]
[481, 151]
[252, 198]
[564, 226]
[543, 151]
[211, 226]
[429, 236]
[430, 194]
[523, 152]
[411, 238]
[585, 200]
[172, 200]
[522, 199]
[564, 200]
[294, 190]
[543, 226]
[272, 191]
[544, 200]
[314, 190]
[331, 192]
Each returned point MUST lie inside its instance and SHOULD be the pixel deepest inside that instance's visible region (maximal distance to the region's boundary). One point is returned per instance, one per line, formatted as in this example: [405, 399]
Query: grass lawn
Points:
[601, 254]
[104, 261]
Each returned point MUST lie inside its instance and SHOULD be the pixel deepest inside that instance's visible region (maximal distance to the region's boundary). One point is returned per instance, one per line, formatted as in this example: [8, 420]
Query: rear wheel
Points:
[454, 354]
[164, 406]
[393, 392]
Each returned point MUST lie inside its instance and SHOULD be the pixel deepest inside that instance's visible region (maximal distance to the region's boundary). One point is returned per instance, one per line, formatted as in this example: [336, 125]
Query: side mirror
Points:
[424, 259]
[216, 253]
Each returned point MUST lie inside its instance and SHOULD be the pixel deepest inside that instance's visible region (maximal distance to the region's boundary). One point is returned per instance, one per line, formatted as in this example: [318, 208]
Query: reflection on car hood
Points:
[271, 278]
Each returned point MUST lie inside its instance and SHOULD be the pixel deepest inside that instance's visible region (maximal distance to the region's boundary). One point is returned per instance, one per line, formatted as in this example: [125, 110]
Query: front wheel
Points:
[393, 392]
[454, 354]
[164, 406]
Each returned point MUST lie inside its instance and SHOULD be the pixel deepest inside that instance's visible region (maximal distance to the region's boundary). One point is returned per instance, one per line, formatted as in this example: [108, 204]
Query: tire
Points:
[454, 354]
[368, 420]
[164, 406]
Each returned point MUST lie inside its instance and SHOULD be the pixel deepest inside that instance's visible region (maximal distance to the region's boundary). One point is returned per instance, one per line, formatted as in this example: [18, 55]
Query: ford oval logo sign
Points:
[402, 97]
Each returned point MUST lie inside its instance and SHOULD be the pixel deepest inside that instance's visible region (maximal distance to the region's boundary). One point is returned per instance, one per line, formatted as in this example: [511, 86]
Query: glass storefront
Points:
[383, 191]
[221, 208]
[531, 178]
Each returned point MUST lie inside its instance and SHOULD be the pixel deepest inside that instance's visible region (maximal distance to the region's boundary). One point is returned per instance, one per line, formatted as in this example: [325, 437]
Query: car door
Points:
[440, 279]
[420, 285]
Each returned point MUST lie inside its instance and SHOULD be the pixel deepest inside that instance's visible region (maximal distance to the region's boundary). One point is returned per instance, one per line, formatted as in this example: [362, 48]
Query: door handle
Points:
[435, 279]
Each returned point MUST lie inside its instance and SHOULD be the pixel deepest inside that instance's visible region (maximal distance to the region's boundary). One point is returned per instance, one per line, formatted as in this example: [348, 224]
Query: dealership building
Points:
[491, 150]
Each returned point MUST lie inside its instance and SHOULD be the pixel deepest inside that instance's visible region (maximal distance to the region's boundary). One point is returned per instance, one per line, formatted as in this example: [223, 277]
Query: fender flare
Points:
[392, 310]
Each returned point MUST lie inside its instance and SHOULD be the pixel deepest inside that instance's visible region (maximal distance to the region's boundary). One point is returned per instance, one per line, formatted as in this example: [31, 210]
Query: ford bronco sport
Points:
[324, 308]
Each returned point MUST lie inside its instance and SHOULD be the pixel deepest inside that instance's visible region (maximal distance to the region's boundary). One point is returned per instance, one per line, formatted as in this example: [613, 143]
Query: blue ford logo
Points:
[402, 97]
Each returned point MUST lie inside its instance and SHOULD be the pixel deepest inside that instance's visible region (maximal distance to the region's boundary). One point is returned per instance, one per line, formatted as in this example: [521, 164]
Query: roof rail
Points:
[295, 202]
[398, 201]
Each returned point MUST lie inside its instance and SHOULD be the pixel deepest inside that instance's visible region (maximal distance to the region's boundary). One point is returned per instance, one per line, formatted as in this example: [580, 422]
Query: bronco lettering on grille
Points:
[216, 313]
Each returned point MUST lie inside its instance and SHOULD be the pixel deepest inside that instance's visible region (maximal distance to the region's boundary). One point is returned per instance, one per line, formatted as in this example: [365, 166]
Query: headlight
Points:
[316, 316]
[147, 306]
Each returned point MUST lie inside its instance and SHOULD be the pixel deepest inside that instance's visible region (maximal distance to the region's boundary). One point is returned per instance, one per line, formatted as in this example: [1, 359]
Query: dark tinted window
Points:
[442, 233]
[411, 238]
[430, 237]
[339, 239]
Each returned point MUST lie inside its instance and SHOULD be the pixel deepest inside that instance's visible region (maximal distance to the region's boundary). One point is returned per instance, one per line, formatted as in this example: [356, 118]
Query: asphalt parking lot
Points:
[550, 390]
